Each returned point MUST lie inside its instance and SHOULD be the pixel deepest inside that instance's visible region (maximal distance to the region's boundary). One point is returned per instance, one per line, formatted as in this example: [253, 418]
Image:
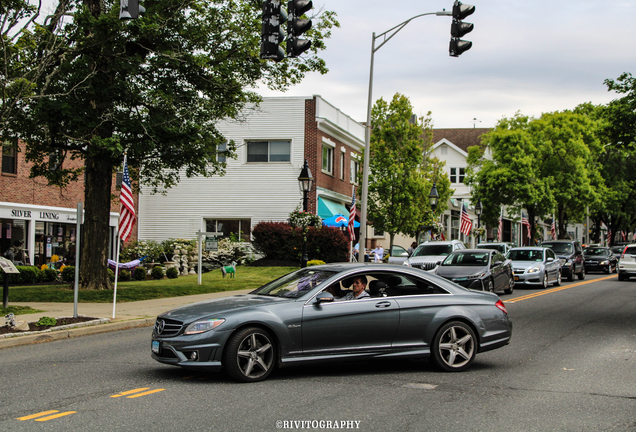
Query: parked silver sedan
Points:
[306, 316]
[535, 266]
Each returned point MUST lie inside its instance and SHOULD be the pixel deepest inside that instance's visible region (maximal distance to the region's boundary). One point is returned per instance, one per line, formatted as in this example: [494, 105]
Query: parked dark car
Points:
[295, 319]
[480, 269]
[570, 254]
[617, 251]
[600, 259]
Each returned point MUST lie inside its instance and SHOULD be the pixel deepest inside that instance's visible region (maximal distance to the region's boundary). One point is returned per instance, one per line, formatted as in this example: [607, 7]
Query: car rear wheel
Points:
[491, 286]
[511, 285]
[621, 277]
[558, 281]
[454, 347]
[250, 355]
[581, 275]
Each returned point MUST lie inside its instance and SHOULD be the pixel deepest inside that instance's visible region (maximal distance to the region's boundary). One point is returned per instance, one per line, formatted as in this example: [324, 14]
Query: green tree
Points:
[400, 172]
[505, 171]
[621, 113]
[153, 87]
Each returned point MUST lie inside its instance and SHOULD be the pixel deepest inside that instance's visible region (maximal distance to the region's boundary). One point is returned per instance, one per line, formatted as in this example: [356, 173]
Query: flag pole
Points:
[116, 273]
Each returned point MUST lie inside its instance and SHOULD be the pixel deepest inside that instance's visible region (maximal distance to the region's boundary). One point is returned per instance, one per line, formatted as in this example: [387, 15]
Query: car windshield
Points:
[478, 259]
[559, 248]
[295, 284]
[497, 247]
[433, 250]
[525, 255]
[595, 252]
[618, 249]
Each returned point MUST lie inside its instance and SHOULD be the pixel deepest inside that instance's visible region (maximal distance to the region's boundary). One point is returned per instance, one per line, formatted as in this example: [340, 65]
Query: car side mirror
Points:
[550, 259]
[324, 297]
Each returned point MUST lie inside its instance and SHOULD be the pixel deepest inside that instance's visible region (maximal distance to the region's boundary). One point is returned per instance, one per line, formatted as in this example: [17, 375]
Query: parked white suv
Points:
[428, 254]
[627, 263]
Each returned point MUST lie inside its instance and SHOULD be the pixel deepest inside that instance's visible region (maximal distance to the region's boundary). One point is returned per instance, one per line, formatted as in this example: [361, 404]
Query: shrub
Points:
[46, 321]
[111, 275]
[157, 272]
[124, 275]
[314, 262]
[172, 273]
[68, 273]
[27, 275]
[140, 273]
[327, 244]
[50, 275]
[272, 240]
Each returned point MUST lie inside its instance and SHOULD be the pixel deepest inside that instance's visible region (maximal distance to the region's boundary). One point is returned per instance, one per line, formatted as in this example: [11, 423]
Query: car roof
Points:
[528, 248]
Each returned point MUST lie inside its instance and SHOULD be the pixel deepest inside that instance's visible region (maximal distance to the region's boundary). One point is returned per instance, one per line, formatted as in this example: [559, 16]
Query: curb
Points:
[91, 327]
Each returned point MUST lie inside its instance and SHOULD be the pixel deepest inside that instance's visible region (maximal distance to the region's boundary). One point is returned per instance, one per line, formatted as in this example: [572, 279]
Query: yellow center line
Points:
[54, 416]
[144, 393]
[552, 290]
[40, 414]
[130, 392]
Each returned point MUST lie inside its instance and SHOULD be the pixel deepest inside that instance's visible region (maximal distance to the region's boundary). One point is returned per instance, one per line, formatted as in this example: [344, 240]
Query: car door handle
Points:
[383, 304]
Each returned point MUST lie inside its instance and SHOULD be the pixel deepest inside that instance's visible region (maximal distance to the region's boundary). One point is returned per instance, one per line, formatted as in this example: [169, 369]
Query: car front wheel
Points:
[250, 355]
[454, 347]
[581, 275]
[511, 285]
[558, 281]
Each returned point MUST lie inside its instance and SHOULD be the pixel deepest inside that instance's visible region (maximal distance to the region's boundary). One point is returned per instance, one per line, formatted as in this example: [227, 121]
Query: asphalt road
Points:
[571, 366]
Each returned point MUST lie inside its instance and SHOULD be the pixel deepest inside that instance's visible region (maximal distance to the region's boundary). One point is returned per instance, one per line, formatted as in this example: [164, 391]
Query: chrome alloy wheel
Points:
[255, 355]
[455, 347]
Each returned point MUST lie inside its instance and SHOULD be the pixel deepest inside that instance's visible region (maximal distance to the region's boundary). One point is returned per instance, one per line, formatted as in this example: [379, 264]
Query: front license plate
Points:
[156, 347]
[516, 278]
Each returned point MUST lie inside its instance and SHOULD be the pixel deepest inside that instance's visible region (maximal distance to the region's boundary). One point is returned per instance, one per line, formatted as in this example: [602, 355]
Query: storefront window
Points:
[13, 240]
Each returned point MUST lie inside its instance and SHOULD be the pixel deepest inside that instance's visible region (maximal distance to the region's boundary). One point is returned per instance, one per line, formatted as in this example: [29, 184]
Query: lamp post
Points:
[364, 192]
[304, 182]
[433, 197]
[478, 209]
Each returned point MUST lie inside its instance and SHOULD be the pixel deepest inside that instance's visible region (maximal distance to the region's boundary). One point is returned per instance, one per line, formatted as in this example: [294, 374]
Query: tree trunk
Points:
[98, 181]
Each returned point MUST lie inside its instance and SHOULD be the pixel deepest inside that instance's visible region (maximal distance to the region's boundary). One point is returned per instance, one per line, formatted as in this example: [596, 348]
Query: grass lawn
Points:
[246, 278]
[18, 310]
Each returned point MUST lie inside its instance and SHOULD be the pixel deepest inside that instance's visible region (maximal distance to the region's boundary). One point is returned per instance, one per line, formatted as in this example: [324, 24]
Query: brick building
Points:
[38, 220]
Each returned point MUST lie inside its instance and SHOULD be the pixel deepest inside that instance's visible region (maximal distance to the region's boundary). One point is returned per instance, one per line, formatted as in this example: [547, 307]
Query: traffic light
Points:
[130, 9]
[459, 29]
[297, 26]
[272, 32]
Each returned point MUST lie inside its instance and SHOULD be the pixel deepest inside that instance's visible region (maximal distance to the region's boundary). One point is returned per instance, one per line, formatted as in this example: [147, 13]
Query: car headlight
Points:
[476, 276]
[406, 263]
[568, 261]
[535, 269]
[604, 263]
[203, 325]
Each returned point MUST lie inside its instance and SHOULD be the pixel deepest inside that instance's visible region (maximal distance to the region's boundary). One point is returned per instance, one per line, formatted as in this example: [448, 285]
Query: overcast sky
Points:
[531, 56]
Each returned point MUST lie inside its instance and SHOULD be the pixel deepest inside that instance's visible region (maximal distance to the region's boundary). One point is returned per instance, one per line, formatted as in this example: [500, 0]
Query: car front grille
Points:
[424, 265]
[519, 271]
[591, 263]
[166, 327]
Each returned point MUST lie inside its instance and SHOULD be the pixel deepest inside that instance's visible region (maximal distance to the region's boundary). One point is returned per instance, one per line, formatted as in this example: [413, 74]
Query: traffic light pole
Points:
[364, 193]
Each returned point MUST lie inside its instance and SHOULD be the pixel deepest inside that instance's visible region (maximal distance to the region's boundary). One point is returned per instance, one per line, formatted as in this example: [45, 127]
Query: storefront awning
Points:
[328, 208]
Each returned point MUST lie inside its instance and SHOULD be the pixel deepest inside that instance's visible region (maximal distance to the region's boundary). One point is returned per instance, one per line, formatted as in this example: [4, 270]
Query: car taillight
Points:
[501, 306]
[623, 254]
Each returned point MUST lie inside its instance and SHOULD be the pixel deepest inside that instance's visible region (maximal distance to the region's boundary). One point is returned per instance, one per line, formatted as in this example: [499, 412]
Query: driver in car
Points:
[358, 288]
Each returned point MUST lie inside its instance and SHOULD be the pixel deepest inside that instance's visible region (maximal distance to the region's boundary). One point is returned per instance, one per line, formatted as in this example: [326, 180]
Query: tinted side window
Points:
[631, 251]
[403, 285]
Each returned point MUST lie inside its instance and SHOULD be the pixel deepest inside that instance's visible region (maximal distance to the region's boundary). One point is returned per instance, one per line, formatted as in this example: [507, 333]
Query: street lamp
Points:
[478, 209]
[364, 192]
[433, 197]
[304, 182]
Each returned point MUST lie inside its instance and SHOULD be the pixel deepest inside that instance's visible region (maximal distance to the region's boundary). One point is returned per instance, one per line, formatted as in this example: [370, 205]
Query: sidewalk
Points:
[127, 315]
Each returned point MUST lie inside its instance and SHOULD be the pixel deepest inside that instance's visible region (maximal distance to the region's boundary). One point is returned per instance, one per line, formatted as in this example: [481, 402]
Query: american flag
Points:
[623, 235]
[466, 224]
[127, 213]
[609, 236]
[553, 228]
[524, 221]
[500, 229]
[352, 215]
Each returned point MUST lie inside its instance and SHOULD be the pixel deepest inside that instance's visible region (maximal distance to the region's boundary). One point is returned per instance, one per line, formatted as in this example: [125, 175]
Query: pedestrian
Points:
[411, 249]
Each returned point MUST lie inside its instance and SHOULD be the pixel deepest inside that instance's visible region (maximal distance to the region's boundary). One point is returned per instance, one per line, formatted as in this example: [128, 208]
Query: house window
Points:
[221, 153]
[9, 160]
[239, 229]
[457, 175]
[268, 151]
[327, 159]
[342, 165]
[355, 168]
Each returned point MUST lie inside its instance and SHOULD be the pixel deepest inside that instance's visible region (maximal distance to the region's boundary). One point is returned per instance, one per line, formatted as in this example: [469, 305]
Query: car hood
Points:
[525, 264]
[428, 258]
[215, 306]
[597, 258]
[460, 271]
